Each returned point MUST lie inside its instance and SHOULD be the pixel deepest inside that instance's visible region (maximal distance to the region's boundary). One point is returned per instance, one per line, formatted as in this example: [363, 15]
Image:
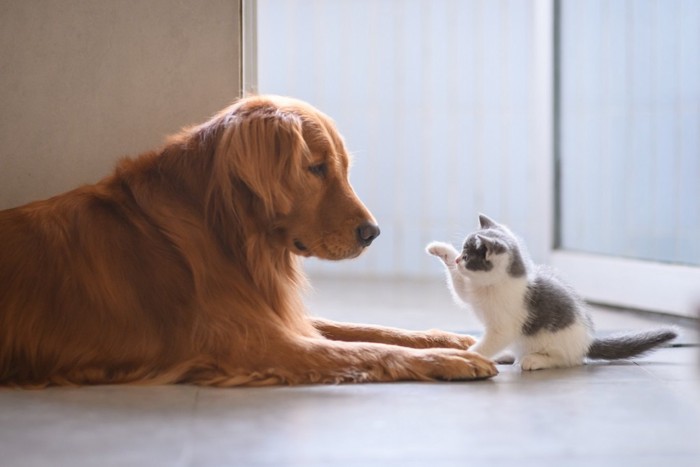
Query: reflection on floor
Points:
[641, 413]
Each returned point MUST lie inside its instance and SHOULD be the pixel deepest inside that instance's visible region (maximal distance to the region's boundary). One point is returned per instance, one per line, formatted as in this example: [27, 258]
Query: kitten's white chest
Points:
[501, 305]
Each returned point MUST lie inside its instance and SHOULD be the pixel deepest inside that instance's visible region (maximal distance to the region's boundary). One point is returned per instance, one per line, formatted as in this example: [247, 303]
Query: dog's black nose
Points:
[366, 233]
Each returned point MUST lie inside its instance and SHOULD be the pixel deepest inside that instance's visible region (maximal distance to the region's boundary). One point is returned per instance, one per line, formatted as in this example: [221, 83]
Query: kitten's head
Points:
[491, 253]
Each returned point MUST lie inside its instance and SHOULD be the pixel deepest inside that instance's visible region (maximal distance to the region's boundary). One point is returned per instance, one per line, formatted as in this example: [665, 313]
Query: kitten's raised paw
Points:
[446, 252]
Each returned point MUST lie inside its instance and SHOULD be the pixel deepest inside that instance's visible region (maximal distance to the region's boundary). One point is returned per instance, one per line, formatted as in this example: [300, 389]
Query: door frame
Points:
[248, 21]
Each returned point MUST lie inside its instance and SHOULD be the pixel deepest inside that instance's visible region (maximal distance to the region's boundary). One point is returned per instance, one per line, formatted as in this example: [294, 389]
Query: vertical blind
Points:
[435, 99]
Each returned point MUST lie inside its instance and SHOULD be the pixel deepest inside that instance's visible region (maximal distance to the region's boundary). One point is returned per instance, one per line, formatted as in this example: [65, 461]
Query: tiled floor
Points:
[642, 413]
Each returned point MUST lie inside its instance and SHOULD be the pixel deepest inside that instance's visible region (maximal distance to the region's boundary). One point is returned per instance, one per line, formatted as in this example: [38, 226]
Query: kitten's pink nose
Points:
[458, 259]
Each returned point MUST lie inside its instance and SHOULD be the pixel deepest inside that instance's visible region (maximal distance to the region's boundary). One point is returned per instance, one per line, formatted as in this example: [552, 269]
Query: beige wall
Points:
[84, 82]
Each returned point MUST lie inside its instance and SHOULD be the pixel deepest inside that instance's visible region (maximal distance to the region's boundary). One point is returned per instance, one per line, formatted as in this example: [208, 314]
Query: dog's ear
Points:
[264, 148]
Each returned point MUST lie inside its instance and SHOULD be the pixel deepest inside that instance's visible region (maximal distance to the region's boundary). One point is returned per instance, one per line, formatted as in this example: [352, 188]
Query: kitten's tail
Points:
[628, 345]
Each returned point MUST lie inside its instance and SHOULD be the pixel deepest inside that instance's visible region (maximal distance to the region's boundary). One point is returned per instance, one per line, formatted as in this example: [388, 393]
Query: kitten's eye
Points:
[320, 170]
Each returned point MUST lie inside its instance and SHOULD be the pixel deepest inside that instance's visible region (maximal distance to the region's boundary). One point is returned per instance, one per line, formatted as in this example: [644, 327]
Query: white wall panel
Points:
[83, 83]
[436, 99]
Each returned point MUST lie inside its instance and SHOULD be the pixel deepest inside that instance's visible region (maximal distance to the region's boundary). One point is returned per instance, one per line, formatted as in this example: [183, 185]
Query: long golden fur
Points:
[182, 267]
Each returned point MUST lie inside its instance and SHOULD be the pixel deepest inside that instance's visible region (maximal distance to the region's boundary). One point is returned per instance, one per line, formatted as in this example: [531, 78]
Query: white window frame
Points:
[643, 285]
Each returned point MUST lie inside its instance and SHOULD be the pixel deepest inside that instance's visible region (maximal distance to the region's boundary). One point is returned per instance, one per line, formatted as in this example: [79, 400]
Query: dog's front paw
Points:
[439, 338]
[446, 252]
[449, 365]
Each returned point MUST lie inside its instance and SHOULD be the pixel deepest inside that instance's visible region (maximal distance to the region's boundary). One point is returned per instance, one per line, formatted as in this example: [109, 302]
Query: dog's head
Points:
[293, 161]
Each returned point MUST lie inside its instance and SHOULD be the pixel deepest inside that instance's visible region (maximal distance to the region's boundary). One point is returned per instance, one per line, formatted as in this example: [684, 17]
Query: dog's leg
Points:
[318, 360]
[350, 332]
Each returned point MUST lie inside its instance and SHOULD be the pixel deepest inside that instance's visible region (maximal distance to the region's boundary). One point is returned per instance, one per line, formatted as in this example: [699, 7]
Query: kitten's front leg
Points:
[445, 252]
[459, 284]
[492, 344]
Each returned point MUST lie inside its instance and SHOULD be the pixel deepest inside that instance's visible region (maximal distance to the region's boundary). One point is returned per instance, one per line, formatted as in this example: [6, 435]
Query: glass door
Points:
[629, 151]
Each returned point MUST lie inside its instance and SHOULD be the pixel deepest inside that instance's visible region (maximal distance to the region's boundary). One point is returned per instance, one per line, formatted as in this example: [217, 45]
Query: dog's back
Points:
[76, 271]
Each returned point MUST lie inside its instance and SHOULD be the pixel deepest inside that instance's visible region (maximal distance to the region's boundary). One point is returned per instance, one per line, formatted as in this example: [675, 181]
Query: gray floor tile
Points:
[114, 425]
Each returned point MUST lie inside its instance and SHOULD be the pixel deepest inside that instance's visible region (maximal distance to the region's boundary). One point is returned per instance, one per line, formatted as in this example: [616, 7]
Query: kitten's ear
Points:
[485, 222]
[492, 245]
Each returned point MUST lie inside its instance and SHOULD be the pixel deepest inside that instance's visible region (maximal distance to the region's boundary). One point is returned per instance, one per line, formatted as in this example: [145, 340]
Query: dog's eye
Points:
[319, 170]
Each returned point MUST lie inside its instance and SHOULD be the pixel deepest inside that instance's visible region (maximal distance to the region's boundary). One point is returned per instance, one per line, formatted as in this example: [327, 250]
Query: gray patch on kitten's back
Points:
[551, 305]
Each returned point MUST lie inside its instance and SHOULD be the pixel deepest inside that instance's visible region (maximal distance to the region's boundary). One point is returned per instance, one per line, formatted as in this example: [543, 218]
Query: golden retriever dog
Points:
[182, 266]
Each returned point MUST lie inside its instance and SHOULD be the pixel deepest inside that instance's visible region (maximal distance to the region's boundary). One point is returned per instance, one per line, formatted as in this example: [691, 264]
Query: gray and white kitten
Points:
[525, 308]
